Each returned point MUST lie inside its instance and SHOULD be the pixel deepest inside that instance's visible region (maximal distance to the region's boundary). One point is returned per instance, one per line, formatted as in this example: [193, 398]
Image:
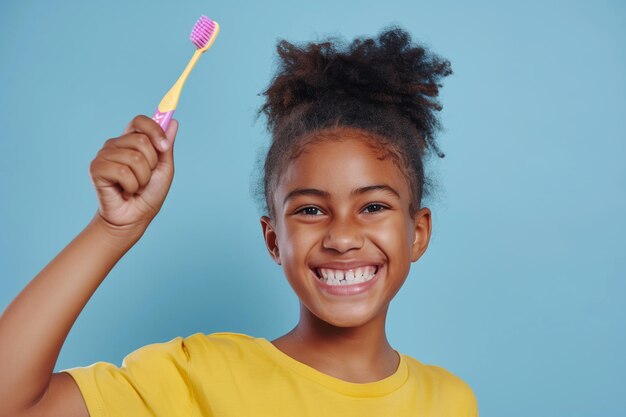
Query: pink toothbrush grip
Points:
[163, 119]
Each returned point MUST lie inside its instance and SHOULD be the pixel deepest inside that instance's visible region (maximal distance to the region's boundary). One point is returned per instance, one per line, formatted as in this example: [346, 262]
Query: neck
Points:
[357, 354]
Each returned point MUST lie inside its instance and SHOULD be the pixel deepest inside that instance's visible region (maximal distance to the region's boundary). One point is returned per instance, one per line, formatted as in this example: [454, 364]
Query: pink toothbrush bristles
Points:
[202, 32]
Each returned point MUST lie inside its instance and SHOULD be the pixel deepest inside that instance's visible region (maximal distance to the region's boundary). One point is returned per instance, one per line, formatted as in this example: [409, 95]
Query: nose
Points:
[343, 235]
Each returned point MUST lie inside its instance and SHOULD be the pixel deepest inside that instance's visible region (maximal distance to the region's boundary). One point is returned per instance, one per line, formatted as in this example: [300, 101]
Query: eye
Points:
[374, 207]
[309, 211]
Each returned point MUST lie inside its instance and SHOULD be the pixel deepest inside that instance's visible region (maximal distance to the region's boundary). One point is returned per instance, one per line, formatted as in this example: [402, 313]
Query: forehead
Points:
[341, 164]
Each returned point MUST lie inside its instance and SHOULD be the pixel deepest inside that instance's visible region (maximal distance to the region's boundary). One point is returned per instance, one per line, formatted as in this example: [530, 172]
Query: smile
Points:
[351, 276]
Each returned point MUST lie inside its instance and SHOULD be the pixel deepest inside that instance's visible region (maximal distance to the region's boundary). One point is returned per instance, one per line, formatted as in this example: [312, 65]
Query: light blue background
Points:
[521, 292]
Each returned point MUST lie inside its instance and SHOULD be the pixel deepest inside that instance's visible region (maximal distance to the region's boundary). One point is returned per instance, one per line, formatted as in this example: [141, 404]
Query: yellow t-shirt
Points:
[232, 374]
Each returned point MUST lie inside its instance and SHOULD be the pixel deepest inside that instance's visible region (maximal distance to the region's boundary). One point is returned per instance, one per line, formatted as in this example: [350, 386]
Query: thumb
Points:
[170, 133]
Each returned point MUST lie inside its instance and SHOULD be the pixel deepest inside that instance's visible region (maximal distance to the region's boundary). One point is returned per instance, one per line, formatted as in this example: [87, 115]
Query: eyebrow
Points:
[325, 194]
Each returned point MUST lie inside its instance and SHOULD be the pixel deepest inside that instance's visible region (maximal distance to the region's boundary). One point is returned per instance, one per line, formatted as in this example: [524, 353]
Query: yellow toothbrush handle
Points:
[170, 100]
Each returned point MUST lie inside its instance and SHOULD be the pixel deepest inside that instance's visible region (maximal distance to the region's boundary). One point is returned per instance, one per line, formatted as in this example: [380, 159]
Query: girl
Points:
[343, 183]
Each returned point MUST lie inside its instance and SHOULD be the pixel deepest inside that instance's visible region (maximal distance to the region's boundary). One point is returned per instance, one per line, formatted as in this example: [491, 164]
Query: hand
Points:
[132, 174]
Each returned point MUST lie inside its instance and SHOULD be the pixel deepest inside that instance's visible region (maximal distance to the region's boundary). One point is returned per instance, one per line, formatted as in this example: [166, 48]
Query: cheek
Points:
[296, 241]
[394, 237]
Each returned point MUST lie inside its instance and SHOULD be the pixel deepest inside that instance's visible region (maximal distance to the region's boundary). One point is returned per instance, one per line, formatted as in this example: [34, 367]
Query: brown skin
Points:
[344, 336]
[132, 175]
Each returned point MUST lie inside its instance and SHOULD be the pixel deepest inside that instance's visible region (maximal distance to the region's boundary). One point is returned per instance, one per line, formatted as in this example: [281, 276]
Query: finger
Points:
[133, 159]
[172, 130]
[106, 173]
[144, 124]
[139, 142]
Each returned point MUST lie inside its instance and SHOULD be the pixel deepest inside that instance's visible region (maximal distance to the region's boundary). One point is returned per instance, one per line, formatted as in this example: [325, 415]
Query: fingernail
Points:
[164, 144]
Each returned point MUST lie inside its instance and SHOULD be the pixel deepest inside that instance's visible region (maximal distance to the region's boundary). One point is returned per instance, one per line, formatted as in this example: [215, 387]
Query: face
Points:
[342, 231]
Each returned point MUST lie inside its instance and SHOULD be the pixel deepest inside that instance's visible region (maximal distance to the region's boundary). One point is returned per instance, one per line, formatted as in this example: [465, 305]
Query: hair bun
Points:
[387, 71]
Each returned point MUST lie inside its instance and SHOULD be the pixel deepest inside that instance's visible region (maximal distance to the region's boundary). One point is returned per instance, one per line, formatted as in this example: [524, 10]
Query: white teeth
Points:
[350, 276]
[345, 277]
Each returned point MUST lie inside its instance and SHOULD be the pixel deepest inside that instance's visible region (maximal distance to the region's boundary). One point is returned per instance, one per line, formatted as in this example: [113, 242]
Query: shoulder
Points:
[185, 348]
[219, 340]
[443, 383]
[229, 346]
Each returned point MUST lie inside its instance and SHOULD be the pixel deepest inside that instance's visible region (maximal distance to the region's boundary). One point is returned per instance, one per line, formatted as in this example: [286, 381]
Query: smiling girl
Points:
[343, 184]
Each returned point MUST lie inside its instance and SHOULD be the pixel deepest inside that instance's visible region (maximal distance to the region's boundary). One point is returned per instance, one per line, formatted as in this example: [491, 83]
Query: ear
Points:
[271, 242]
[422, 228]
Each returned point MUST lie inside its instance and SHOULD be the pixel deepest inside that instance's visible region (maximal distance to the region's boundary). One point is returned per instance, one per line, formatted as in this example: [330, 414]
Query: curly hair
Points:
[386, 87]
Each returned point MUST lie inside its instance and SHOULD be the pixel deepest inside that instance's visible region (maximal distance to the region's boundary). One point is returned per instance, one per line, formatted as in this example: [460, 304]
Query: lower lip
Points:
[348, 289]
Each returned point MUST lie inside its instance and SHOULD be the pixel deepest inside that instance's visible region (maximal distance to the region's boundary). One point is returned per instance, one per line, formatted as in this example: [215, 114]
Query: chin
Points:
[346, 319]
[347, 324]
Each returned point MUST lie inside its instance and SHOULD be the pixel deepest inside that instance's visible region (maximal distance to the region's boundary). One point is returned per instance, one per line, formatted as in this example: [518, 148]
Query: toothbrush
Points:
[203, 35]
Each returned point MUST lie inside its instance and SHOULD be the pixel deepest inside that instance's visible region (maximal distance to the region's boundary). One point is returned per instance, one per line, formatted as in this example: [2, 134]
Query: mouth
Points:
[339, 277]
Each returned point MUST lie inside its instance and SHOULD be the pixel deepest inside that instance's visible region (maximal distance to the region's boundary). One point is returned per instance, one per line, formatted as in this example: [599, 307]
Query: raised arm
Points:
[132, 175]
